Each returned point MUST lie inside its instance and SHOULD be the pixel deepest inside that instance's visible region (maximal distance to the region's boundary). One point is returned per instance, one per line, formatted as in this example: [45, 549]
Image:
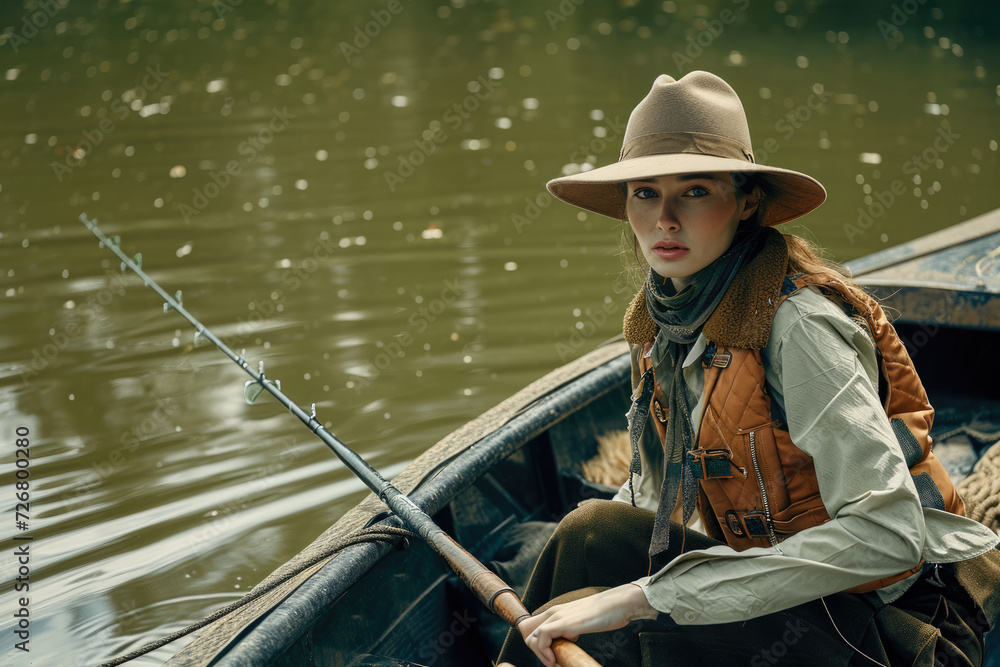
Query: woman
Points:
[786, 412]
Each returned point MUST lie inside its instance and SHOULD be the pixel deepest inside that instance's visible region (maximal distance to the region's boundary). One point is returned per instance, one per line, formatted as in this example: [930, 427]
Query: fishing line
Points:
[856, 649]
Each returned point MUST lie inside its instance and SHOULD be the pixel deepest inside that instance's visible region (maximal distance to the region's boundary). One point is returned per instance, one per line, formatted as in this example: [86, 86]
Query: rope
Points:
[981, 490]
[981, 436]
[374, 534]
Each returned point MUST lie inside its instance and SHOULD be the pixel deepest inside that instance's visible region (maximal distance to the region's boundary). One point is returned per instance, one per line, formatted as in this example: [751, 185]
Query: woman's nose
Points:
[667, 220]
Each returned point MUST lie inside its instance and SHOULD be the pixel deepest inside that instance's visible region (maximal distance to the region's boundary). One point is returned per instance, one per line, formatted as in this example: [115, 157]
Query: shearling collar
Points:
[743, 317]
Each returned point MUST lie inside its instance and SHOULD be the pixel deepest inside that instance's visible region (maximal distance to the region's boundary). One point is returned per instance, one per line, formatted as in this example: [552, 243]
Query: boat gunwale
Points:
[964, 232]
[431, 487]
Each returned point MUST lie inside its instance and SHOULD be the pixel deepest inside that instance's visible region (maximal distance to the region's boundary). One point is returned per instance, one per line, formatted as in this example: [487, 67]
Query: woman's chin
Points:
[676, 270]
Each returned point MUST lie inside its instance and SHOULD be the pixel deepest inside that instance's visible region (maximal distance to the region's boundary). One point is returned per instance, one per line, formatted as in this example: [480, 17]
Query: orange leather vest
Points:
[755, 486]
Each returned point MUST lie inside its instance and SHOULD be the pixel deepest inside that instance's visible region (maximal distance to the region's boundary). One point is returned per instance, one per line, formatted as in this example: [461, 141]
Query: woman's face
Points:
[684, 223]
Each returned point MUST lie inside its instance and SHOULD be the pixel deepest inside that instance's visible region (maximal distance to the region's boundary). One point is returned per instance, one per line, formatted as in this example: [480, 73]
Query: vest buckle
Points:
[757, 524]
[734, 523]
[722, 359]
[712, 357]
[710, 464]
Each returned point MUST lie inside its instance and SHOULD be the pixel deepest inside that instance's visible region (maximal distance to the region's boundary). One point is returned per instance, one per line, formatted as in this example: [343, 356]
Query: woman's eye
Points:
[644, 193]
[698, 191]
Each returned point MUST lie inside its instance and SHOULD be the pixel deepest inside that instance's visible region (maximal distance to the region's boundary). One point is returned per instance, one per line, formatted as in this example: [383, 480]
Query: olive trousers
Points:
[603, 544]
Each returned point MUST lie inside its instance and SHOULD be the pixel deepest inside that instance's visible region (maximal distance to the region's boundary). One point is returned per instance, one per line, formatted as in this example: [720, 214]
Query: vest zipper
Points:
[763, 491]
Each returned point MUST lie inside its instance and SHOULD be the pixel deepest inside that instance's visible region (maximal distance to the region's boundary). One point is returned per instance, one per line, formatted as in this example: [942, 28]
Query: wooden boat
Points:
[500, 482]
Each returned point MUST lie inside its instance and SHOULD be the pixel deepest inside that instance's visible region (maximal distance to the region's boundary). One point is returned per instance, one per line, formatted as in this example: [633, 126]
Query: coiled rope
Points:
[982, 437]
[981, 490]
[390, 534]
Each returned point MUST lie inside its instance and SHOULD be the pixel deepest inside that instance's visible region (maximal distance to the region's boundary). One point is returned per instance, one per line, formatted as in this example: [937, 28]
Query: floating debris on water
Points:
[432, 232]
[475, 144]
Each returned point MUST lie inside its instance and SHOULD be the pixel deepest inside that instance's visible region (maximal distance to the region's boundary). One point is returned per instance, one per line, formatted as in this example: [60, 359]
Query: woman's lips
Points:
[670, 250]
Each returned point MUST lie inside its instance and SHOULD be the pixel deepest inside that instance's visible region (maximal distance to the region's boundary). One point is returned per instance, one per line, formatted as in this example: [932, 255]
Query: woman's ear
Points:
[750, 203]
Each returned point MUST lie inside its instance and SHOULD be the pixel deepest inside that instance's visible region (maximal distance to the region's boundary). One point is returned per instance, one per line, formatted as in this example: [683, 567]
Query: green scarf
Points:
[680, 316]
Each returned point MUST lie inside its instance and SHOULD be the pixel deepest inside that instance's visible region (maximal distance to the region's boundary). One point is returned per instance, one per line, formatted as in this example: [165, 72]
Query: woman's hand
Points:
[607, 610]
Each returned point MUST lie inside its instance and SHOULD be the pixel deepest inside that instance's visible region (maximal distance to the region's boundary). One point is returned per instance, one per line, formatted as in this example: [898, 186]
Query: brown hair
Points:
[804, 256]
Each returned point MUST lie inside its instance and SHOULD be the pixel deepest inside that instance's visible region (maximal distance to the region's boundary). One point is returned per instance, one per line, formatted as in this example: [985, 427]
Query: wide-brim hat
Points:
[693, 125]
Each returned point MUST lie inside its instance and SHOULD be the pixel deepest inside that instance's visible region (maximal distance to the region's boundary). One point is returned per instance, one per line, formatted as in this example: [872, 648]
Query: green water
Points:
[366, 214]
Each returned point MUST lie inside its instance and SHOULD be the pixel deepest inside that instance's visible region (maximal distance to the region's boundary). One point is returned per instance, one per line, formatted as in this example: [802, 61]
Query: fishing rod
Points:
[487, 586]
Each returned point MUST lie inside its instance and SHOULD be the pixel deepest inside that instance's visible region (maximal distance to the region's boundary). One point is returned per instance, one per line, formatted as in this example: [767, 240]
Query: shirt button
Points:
[690, 616]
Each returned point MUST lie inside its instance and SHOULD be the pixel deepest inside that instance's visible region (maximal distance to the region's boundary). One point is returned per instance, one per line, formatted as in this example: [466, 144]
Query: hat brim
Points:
[599, 190]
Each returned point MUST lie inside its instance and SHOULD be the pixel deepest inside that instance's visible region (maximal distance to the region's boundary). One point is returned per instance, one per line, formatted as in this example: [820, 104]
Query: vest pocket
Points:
[806, 513]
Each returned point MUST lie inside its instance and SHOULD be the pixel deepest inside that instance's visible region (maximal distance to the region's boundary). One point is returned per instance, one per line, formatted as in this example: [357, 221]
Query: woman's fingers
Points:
[566, 621]
[607, 610]
[539, 642]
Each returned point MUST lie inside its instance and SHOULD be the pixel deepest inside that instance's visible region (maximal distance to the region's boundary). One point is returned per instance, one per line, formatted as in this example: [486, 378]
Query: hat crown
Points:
[692, 126]
[699, 102]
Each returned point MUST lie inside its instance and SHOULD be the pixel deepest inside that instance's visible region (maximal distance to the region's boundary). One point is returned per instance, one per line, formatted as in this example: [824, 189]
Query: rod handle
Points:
[569, 654]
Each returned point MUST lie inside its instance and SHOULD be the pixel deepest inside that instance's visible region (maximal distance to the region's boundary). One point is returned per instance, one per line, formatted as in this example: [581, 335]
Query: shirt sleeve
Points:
[820, 368]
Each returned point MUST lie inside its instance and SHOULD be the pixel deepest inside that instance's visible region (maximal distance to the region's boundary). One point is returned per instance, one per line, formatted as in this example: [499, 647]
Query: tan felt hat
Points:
[693, 125]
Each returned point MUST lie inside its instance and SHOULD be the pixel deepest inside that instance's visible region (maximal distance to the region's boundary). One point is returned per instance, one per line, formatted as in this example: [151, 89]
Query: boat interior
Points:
[411, 610]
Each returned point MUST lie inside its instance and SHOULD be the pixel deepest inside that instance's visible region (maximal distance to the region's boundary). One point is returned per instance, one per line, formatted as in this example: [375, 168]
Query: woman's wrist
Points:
[639, 606]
